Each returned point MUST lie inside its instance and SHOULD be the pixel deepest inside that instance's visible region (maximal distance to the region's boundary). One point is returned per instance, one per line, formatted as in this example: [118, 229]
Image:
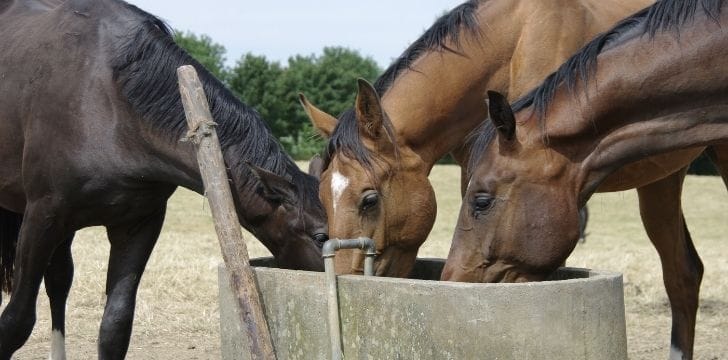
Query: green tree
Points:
[328, 80]
[208, 53]
[256, 81]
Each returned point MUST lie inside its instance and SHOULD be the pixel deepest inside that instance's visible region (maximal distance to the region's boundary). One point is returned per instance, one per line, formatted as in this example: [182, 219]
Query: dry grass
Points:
[177, 315]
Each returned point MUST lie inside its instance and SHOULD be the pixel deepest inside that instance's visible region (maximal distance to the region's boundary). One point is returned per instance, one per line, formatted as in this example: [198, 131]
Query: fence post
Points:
[217, 190]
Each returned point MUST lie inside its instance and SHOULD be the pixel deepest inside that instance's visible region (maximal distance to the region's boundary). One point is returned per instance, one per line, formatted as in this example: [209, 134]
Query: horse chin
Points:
[521, 277]
[392, 262]
[306, 258]
[395, 262]
[497, 272]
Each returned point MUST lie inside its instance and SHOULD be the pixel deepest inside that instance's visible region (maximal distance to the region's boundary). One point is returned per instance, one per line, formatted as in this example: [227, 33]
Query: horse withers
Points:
[631, 109]
[90, 123]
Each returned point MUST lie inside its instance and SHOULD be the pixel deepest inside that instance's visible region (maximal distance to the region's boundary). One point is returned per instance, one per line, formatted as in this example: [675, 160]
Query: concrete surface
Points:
[579, 315]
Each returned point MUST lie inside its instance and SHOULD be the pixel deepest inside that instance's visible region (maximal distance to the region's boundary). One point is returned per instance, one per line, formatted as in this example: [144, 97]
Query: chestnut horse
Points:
[660, 88]
[381, 152]
[90, 123]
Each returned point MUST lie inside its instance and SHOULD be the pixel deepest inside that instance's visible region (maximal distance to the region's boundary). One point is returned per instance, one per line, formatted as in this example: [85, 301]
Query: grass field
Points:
[177, 315]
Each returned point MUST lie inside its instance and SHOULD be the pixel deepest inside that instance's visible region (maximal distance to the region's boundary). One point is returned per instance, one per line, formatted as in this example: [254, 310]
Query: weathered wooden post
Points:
[217, 189]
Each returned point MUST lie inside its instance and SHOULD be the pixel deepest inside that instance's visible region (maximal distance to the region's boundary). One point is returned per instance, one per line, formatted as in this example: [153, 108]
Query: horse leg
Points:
[718, 155]
[682, 270]
[58, 278]
[40, 234]
[131, 245]
[9, 231]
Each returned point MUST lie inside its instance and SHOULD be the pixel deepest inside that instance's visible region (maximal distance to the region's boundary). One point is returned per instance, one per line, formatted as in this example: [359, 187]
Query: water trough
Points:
[579, 314]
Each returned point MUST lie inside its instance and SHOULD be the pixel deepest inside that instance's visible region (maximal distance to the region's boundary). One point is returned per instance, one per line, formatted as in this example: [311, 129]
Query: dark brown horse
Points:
[658, 96]
[381, 152]
[90, 123]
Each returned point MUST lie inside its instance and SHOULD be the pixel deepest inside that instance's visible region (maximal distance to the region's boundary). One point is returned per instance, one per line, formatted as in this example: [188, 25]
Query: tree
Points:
[329, 81]
[256, 81]
[208, 53]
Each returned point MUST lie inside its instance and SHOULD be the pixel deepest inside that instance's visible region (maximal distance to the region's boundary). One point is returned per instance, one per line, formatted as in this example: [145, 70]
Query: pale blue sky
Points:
[278, 29]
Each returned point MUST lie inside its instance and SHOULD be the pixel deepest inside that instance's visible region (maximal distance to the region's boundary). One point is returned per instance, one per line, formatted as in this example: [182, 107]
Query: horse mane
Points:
[664, 15]
[345, 137]
[145, 67]
[447, 27]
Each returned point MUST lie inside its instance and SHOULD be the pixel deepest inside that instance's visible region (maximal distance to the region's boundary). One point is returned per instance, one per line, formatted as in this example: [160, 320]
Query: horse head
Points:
[372, 187]
[289, 212]
[498, 238]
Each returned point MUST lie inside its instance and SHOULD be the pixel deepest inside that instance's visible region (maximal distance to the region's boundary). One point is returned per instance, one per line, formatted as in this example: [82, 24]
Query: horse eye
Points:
[370, 199]
[482, 202]
[320, 238]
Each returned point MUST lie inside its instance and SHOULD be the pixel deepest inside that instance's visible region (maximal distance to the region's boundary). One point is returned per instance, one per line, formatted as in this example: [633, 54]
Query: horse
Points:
[381, 151]
[629, 110]
[90, 127]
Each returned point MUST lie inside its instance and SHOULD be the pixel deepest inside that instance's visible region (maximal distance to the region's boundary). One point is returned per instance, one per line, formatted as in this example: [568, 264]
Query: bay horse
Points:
[380, 152]
[652, 90]
[90, 127]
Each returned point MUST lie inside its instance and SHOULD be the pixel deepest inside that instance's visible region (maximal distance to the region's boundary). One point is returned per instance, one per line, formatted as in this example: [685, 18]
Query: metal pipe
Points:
[329, 251]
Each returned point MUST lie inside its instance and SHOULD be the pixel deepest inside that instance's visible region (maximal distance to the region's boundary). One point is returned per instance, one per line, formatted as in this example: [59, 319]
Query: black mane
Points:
[447, 27]
[664, 15]
[145, 66]
[345, 137]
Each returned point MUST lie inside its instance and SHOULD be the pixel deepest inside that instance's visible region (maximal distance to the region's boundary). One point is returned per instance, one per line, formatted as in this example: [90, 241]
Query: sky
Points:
[278, 29]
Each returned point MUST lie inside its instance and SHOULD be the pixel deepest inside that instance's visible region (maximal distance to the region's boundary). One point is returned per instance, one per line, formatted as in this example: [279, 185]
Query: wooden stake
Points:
[217, 189]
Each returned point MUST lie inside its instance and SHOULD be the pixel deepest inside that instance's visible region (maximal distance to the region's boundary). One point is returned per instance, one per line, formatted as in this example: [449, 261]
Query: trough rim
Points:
[593, 276]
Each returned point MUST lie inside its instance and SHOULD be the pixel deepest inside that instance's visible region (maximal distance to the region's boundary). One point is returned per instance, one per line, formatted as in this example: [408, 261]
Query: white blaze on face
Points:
[58, 346]
[338, 185]
[675, 353]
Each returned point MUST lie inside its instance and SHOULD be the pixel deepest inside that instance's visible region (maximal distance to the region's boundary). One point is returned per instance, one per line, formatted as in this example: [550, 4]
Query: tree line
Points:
[328, 80]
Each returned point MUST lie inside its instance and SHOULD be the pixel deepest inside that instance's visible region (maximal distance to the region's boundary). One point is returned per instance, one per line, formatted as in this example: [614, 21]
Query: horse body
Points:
[90, 123]
[381, 152]
[659, 88]
[68, 136]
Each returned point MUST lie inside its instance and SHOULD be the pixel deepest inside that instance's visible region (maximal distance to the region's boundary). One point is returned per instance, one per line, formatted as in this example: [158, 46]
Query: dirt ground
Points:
[177, 312]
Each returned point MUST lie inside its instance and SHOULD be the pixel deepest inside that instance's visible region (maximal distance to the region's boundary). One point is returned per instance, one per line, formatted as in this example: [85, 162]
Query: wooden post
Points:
[217, 189]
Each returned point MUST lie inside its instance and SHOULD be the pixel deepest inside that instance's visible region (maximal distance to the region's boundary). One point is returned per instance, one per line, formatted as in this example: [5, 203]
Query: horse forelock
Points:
[346, 141]
[664, 15]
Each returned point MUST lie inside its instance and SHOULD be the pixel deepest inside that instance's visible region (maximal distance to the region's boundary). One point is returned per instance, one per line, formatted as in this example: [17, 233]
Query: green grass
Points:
[177, 313]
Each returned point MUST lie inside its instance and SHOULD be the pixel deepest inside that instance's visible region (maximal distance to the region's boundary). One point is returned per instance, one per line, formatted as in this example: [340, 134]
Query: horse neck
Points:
[649, 96]
[244, 139]
[439, 100]
[435, 106]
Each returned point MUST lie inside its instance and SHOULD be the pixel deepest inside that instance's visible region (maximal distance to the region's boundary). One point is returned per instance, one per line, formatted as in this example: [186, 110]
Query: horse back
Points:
[553, 30]
[59, 102]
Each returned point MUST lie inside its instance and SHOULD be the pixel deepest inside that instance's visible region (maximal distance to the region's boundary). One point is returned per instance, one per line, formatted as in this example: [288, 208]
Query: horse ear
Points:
[316, 166]
[273, 187]
[323, 122]
[369, 110]
[502, 115]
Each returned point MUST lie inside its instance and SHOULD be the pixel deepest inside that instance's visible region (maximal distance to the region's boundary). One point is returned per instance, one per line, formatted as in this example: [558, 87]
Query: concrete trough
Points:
[579, 314]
